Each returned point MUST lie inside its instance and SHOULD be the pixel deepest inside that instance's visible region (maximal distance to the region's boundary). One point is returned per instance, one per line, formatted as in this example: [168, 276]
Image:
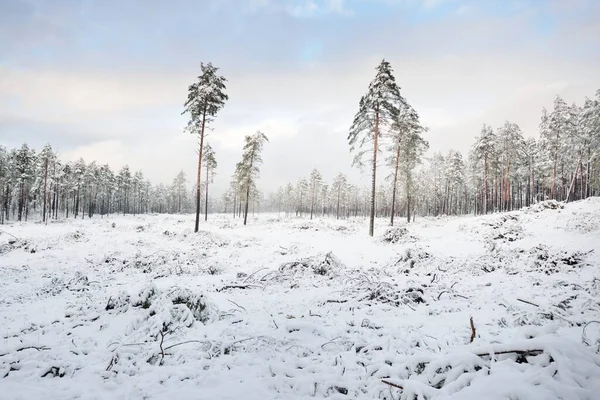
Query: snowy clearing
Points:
[285, 308]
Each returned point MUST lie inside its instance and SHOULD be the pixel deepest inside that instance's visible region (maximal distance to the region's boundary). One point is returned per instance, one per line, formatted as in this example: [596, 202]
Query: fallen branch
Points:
[38, 348]
[249, 286]
[254, 273]
[233, 302]
[336, 301]
[392, 384]
[473, 331]
[186, 342]
[331, 341]
[555, 314]
[533, 352]
[10, 234]
[528, 302]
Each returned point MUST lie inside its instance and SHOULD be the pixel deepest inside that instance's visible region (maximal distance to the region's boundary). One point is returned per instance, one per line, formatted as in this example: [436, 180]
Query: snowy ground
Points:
[140, 307]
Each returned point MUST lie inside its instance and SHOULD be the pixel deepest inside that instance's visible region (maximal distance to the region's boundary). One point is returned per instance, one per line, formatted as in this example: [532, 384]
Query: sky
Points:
[106, 79]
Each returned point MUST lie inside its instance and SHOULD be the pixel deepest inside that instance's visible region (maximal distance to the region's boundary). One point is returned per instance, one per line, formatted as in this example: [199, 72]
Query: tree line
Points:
[502, 171]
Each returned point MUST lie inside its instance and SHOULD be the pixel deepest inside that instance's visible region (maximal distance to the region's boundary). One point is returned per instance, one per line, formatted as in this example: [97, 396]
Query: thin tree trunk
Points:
[407, 196]
[374, 174]
[394, 185]
[197, 224]
[206, 195]
[337, 210]
[247, 202]
[45, 186]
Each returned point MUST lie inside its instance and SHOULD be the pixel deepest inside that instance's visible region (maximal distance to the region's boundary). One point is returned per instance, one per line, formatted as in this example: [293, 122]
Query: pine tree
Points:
[339, 187]
[407, 148]
[483, 151]
[378, 108]
[247, 170]
[205, 98]
[210, 165]
[315, 185]
[301, 188]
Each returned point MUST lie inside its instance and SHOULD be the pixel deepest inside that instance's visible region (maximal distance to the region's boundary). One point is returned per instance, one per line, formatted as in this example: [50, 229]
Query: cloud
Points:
[85, 93]
[297, 78]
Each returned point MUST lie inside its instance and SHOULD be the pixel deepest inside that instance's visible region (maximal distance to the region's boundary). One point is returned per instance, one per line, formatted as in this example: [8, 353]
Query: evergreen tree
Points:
[211, 165]
[205, 98]
[247, 170]
[407, 149]
[339, 187]
[378, 109]
[483, 151]
[315, 185]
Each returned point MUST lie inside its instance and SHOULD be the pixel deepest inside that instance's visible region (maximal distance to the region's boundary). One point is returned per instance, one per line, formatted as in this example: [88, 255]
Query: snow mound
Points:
[398, 235]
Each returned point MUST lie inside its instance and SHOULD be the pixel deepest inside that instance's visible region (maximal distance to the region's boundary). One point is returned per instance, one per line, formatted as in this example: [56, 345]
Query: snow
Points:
[286, 308]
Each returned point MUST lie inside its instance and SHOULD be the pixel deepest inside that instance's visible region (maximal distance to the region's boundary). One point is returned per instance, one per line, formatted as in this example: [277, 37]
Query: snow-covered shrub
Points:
[545, 205]
[550, 262]
[54, 287]
[201, 309]
[325, 265]
[78, 282]
[145, 297]
[119, 301]
[397, 235]
[410, 258]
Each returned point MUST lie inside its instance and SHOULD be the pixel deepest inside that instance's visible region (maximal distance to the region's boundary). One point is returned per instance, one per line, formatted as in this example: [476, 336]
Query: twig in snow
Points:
[331, 341]
[38, 348]
[583, 338]
[434, 278]
[254, 273]
[233, 302]
[555, 314]
[113, 360]
[10, 234]
[249, 286]
[336, 301]
[186, 342]
[441, 293]
[392, 384]
[162, 351]
[473, 331]
[533, 352]
[528, 302]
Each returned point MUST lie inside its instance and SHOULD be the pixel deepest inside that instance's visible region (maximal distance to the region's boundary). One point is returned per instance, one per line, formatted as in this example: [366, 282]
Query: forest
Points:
[505, 168]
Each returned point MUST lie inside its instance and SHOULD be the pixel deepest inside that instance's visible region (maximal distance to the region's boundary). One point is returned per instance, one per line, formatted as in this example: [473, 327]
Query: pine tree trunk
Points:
[395, 185]
[206, 196]
[197, 224]
[374, 172]
[581, 194]
[407, 196]
[76, 207]
[45, 186]
[337, 209]
[485, 178]
[247, 202]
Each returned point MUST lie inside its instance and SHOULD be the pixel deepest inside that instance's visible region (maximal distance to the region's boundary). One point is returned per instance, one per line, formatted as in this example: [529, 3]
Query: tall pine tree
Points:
[205, 98]
[377, 111]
